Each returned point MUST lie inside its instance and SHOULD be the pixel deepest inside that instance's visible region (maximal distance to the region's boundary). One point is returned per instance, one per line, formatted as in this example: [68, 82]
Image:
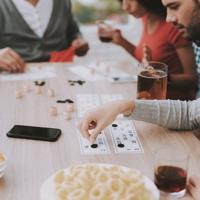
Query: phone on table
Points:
[34, 133]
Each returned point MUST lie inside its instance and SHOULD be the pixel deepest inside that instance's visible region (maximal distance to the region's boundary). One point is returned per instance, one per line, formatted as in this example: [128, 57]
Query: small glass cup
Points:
[170, 172]
[152, 81]
[105, 31]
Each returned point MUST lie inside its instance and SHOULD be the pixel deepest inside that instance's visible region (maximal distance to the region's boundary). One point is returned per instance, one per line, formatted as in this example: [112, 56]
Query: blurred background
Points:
[88, 12]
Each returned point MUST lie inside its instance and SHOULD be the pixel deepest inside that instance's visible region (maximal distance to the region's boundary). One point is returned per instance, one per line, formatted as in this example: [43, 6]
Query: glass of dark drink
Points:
[170, 172]
[152, 81]
[105, 31]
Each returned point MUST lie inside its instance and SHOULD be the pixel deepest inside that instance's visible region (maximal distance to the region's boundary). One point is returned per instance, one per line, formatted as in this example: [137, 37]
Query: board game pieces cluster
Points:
[75, 82]
[124, 138]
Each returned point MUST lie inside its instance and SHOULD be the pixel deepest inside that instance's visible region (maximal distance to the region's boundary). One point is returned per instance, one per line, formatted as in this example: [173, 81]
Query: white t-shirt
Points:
[37, 17]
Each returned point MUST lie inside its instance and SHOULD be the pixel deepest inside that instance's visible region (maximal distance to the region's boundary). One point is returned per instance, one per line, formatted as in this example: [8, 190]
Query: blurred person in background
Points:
[37, 31]
[161, 41]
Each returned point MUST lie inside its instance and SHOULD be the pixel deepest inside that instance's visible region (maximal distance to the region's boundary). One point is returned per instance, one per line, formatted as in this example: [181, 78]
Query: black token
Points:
[120, 145]
[42, 83]
[65, 101]
[69, 101]
[114, 125]
[39, 83]
[115, 78]
[94, 146]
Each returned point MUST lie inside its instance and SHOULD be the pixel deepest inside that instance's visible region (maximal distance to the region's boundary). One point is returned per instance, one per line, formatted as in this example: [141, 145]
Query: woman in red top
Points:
[161, 41]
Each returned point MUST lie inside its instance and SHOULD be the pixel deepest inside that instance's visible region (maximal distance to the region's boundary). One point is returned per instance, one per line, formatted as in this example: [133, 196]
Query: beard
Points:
[193, 29]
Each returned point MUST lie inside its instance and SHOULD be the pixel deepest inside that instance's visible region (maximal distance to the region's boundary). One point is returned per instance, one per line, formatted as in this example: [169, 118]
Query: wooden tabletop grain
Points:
[30, 162]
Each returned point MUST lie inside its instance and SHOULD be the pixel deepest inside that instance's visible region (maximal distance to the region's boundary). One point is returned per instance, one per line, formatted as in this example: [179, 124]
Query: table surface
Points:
[30, 162]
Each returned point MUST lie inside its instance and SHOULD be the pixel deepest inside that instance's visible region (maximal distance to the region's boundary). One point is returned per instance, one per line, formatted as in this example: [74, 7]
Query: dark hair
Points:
[154, 6]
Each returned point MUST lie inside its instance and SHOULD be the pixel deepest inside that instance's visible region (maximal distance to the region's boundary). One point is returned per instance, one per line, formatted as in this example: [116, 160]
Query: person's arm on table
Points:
[180, 115]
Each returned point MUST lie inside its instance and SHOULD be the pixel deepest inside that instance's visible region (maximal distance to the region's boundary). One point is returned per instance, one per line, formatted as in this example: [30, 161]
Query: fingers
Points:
[194, 180]
[19, 61]
[80, 46]
[95, 133]
[194, 187]
[11, 61]
[84, 130]
[90, 129]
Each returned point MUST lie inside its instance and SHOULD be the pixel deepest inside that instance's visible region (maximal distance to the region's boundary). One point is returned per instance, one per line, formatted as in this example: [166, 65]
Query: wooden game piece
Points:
[50, 93]
[92, 71]
[53, 111]
[18, 94]
[39, 66]
[70, 107]
[67, 115]
[38, 90]
[26, 88]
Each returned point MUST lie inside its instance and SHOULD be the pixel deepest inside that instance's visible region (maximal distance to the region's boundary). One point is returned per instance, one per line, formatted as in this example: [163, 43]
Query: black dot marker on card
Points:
[94, 146]
[115, 78]
[114, 125]
[120, 145]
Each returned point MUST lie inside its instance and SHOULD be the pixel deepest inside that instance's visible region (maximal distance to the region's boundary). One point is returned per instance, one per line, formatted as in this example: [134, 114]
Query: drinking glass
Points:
[170, 171]
[105, 31]
[152, 81]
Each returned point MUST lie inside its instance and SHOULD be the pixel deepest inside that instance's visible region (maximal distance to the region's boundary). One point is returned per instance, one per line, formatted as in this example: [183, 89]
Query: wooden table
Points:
[31, 162]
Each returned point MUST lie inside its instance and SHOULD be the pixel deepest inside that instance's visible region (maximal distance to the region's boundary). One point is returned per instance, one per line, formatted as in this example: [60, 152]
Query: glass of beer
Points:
[152, 81]
[105, 31]
[170, 171]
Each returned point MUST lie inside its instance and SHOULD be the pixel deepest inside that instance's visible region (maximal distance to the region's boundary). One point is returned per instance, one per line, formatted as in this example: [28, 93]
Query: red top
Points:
[66, 55]
[163, 44]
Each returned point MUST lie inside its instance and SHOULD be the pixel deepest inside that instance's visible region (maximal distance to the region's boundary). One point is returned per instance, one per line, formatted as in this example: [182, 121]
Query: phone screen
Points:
[34, 133]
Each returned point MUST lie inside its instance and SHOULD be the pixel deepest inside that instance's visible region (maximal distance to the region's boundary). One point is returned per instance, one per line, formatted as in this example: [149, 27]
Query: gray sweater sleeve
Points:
[73, 30]
[180, 115]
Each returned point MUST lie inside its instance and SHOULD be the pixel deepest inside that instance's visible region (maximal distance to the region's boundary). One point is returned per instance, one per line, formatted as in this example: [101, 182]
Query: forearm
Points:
[128, 46]
[180, 115]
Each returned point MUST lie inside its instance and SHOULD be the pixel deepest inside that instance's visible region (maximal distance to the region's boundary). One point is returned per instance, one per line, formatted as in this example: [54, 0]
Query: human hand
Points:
[80, 46]
[96, 120]
[11, 61]
[117, 37]
[194, 187]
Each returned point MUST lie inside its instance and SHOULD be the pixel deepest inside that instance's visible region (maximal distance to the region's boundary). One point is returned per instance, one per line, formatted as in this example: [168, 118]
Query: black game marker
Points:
[65, 101]
[79, 82]
[115, 78]
[121, 145]
[69, 101]
[42, 83]
[114, 125]
[94, 146]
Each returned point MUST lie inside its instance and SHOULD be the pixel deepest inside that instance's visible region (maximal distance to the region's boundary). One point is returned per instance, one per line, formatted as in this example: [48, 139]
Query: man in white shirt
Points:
[32, 29]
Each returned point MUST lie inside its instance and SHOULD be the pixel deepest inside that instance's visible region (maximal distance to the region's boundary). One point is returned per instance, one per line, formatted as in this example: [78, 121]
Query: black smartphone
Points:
[34, 133]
